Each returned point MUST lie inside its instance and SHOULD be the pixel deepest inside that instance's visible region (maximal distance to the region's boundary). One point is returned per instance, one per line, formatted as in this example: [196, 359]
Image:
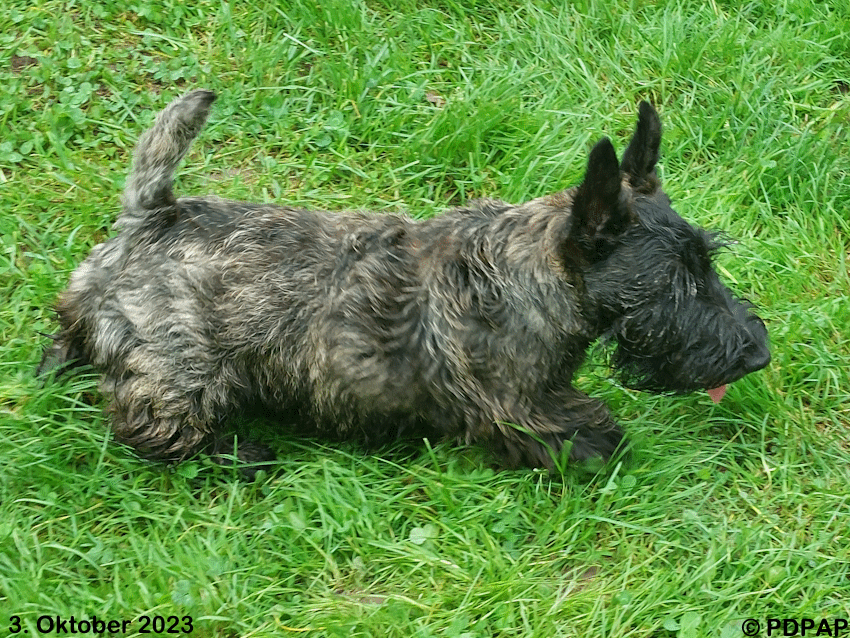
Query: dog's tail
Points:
[148, 196]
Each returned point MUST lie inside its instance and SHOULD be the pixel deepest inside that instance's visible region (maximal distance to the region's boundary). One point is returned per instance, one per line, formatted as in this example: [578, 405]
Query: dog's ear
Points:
[599, 213]
[642, 154]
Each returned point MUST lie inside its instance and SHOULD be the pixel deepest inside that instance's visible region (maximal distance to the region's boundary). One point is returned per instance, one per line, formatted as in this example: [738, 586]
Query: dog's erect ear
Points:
[599, 214]
[642, 154]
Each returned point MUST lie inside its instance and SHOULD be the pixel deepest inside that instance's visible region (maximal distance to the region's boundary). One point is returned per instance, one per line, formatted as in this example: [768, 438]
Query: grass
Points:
[723, 513]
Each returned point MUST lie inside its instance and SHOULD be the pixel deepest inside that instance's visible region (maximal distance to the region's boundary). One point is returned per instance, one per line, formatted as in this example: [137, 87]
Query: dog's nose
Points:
[757, 355]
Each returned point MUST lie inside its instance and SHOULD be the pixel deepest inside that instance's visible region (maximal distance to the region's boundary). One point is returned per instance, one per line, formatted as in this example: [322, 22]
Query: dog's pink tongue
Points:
[717, 393]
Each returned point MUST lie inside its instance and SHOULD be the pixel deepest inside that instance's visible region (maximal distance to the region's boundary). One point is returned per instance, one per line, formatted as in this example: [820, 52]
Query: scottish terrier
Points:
[375, 326]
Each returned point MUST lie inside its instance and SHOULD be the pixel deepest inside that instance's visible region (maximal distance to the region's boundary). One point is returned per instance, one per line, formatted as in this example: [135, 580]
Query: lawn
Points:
[721, 513]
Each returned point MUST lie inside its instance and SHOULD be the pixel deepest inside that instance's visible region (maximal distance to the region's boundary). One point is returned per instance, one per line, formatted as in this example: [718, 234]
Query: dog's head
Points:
[649, 277]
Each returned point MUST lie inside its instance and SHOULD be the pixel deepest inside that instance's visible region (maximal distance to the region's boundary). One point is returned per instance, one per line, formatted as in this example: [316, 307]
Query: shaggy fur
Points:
[373, 327]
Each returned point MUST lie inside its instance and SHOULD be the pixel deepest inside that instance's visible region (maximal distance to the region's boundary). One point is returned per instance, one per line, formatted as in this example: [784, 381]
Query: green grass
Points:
[723, 512]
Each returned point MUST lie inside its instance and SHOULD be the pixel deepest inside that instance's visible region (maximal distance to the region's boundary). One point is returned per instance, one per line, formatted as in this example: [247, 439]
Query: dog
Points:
[375, 327]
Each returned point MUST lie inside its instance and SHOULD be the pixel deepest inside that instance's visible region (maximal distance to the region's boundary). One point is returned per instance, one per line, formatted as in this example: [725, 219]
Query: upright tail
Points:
[148, 196]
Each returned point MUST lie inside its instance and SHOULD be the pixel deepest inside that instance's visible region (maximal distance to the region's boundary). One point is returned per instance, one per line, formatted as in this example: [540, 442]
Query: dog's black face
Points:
[676, 326]
[650, 277]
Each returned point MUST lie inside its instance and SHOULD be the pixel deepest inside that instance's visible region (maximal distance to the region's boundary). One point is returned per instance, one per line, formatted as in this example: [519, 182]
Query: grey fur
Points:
[366, 326]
